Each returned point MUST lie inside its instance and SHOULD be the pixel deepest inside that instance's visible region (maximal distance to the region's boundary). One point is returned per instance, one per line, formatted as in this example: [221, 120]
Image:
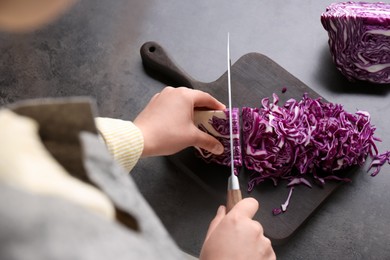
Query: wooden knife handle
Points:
[233, 197]
[155, 59]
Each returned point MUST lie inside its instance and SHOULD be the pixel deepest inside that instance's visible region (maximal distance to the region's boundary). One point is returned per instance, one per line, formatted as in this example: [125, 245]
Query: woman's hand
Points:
[236, 235]
[167, 122]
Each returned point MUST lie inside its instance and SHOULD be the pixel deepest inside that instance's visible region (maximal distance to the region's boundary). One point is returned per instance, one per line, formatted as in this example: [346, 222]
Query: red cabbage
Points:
[378, 161]
[216, 123]
[359, 39]
[304, 137]
[283, 207]
[301, 139]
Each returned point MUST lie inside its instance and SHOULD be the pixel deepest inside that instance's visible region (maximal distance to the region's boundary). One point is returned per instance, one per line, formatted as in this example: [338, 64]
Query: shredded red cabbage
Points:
[378, 161]
[301, 139]
[304, 137]
[283, 207]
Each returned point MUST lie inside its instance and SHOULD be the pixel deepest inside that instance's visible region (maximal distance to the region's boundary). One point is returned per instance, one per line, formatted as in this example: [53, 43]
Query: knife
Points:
[233, 190]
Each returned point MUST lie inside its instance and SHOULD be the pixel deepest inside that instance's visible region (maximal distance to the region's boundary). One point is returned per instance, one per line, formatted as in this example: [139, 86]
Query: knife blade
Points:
[233, 192]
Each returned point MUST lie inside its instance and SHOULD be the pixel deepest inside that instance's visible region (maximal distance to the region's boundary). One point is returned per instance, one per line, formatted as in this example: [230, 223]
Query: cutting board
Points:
[253, 76]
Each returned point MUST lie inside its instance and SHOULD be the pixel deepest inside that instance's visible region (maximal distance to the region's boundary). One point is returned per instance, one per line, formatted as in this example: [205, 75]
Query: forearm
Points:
[123, 139]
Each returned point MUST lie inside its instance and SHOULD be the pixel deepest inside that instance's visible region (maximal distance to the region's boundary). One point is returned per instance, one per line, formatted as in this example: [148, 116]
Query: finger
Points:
[156, 95]
[208, 142]
[246, 207]
[166, 90]
[203, 99]
[221, 213]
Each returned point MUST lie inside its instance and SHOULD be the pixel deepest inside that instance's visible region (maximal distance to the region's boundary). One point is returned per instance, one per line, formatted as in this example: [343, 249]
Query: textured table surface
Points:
[93, 50]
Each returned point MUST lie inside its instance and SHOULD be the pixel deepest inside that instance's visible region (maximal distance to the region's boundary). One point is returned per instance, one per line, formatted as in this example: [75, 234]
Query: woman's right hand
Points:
[236, 235]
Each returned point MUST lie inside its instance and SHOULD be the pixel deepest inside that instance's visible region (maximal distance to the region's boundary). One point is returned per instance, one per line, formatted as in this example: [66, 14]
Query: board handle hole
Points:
[152, 49]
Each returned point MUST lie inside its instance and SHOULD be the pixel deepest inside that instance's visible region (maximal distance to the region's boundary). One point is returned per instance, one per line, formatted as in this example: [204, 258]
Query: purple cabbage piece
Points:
[359, 39]
[216, 123]
[378, 161]
[306, 135]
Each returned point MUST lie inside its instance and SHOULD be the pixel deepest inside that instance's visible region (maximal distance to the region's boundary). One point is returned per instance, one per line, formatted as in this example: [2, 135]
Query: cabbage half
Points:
[359, 39]
[216, 123]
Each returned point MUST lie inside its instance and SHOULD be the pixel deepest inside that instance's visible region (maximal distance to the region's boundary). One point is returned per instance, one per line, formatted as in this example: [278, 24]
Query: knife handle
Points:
[156, 60]
[233, 197]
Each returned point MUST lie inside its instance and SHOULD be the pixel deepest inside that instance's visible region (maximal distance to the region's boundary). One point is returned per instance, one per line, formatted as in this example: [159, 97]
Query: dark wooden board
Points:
[254, 76]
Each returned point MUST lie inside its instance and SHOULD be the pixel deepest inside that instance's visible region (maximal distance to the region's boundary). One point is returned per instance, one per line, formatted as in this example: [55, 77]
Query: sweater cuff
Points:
[123, 139]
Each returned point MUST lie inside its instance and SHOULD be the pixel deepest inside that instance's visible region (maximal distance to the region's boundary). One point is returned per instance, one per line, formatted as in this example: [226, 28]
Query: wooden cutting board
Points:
[254, 76]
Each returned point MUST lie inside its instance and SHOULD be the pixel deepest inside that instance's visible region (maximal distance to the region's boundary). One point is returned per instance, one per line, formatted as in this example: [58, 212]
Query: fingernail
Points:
[218, 149]
[220, 209]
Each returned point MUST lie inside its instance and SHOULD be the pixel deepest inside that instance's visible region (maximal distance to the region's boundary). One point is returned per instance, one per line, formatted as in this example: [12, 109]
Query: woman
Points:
[102, 212]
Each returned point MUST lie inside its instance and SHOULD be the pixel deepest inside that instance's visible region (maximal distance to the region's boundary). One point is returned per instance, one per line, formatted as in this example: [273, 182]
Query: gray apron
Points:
[45, 227]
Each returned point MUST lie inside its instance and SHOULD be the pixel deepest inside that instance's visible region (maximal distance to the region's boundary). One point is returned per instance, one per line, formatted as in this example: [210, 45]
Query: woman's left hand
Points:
[167, 122]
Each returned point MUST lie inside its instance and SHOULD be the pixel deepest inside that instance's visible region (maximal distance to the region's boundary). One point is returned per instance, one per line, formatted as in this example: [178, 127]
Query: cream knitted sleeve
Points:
[123, 139]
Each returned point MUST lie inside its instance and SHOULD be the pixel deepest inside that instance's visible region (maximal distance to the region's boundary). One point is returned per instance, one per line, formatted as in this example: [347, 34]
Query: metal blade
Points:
[233, 180]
